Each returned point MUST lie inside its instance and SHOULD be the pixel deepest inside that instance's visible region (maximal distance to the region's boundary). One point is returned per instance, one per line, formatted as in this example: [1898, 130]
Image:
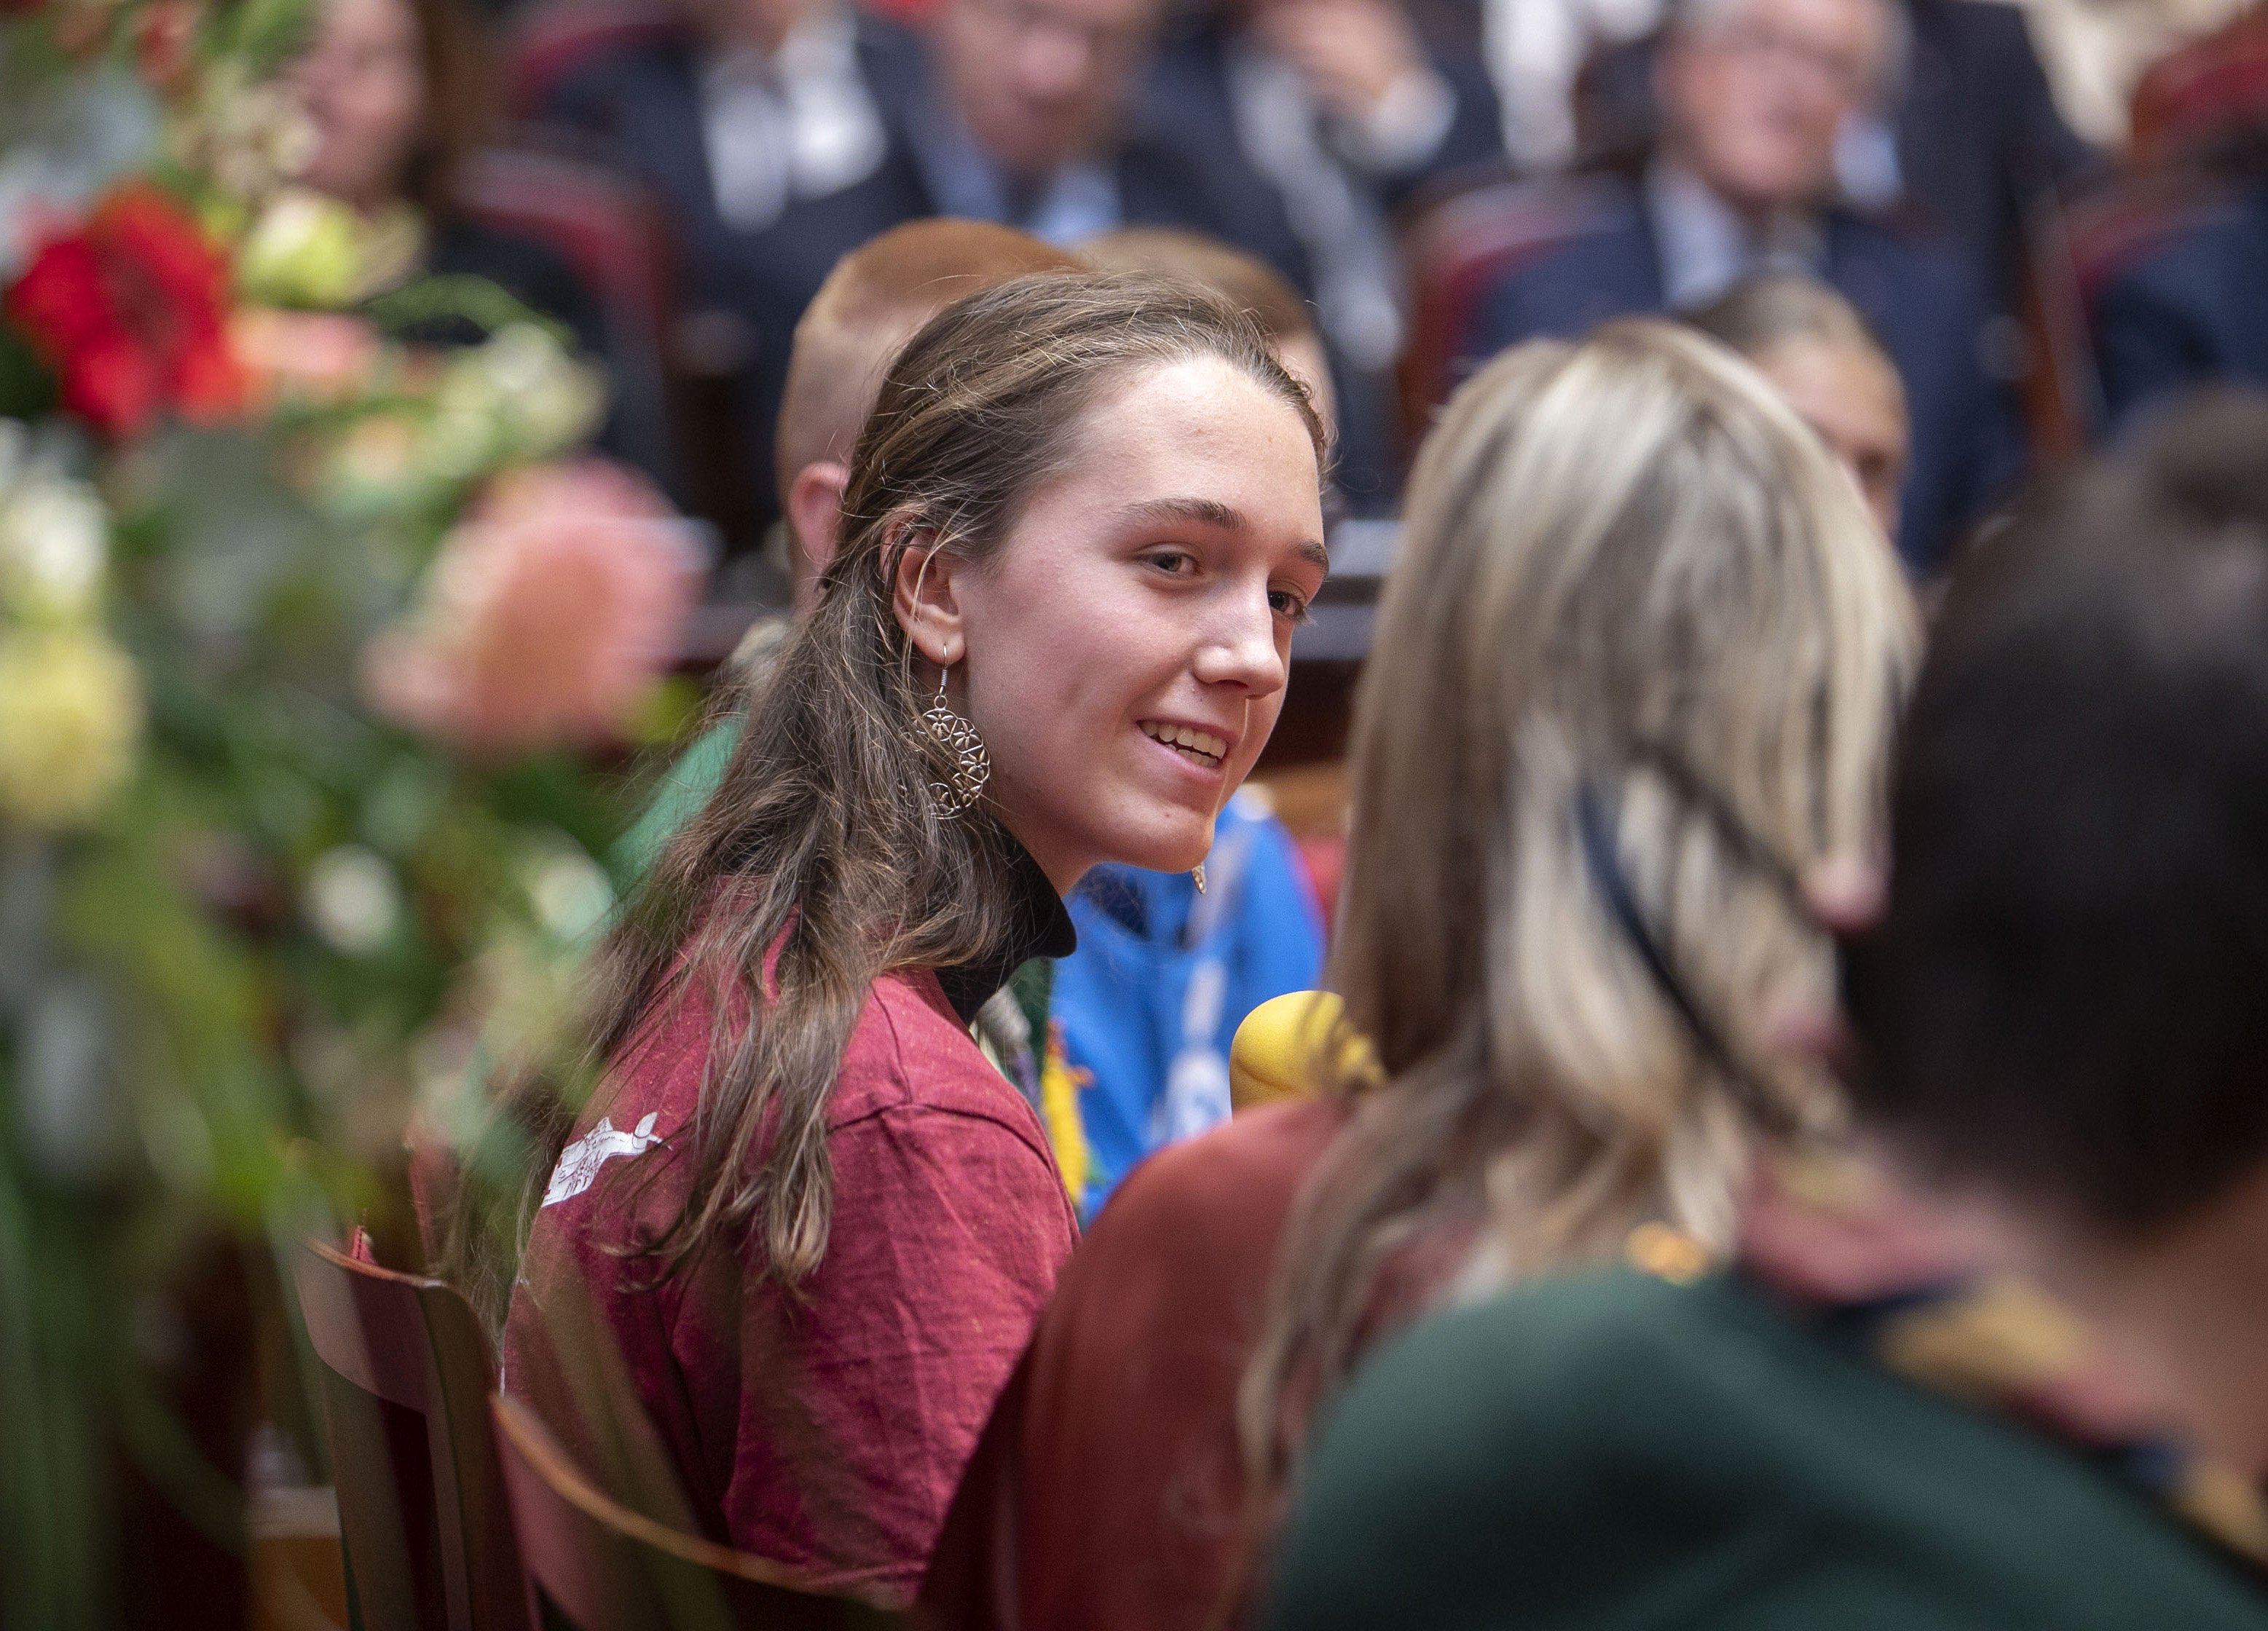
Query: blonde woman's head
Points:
[1633, 590]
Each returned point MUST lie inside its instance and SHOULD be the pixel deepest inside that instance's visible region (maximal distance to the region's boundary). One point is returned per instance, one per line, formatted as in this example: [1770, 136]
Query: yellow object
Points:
[1059, 1083]
[1290, 1043]
[1666, 1253]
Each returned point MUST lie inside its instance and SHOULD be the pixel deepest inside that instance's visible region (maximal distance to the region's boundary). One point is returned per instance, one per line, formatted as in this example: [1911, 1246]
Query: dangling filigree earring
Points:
[972, 767]
[1196, 876]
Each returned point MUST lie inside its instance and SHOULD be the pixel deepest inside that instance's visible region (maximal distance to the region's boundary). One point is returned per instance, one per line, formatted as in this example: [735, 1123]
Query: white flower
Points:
[53, 545]
[570, 893]
[353, 900]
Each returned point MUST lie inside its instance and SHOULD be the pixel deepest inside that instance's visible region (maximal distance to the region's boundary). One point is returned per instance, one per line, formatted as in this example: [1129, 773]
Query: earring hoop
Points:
[972, 766]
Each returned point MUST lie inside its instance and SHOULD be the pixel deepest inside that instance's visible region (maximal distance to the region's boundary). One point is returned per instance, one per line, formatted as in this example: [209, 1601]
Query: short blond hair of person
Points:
[1627, 568]
[874, 301]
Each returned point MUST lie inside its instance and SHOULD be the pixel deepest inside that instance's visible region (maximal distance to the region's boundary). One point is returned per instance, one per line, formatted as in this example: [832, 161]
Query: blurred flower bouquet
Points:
[318, 656]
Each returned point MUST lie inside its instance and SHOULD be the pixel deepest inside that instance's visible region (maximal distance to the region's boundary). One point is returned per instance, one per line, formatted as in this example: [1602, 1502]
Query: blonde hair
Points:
[1628, 570]
[873, 302]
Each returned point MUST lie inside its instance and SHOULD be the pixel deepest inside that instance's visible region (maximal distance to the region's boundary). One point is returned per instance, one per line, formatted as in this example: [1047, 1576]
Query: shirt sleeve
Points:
[862, 1401]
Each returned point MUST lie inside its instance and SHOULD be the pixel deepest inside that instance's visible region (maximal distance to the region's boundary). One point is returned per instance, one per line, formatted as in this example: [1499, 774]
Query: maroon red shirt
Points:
[828, 1431]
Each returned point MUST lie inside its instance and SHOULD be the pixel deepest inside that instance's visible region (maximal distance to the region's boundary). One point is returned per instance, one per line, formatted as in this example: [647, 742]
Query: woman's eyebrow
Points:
[1204, 511]
[1209, 512]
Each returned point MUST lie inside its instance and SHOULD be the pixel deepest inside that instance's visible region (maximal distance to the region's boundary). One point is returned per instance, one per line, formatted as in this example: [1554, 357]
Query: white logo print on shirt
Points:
[579, 1163]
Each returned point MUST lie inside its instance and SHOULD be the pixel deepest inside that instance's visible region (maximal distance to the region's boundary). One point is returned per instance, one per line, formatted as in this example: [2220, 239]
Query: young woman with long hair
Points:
[1635, 673]
[786, 1255]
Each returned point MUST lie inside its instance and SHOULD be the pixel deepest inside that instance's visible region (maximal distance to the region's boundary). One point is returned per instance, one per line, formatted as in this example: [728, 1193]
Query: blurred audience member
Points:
[1034, 118]
[392, 90]
[1962, 129]
[1754, 94]
[2059, 1026]
[2192, 310]
[2063, 1011]
[1641, 634]
[766, 132]
[786, 132]
[1245, 281]
[1818, 353]
[1341, 109]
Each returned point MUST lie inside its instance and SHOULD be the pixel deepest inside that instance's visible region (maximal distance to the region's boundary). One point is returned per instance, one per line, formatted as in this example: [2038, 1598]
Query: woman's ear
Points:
[927, 594]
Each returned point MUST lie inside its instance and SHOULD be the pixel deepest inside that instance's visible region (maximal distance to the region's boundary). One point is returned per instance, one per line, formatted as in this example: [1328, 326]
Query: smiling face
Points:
[1124, 652]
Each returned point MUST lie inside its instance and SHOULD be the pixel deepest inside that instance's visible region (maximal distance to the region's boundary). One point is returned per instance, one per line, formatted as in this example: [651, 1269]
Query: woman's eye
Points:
[1180, 563]
[1289, 603]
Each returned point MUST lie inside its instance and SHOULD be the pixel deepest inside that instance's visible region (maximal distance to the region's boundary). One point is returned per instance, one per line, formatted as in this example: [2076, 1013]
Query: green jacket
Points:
[1620, 1453]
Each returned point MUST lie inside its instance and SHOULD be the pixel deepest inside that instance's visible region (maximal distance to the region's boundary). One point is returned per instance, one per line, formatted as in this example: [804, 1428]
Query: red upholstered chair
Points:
[406, 1376]
[2204, 91]
[1457, 248]
[595, 1565]
[549, 42]
[2077, 248]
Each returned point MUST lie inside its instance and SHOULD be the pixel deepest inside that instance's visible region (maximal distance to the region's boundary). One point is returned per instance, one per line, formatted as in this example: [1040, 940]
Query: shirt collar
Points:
[1039, 927]
[1706, 246]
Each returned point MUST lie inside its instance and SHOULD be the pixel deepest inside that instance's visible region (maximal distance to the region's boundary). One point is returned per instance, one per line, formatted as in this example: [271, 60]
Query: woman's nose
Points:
[1243, 651]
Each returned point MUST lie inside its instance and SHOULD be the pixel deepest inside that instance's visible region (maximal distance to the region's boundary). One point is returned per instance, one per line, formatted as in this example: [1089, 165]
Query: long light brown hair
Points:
[1628, 576]
[820, 844]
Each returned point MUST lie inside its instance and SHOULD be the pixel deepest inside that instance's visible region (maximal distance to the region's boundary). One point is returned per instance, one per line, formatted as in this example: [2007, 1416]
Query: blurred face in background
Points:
[1042, 83]
[1854, 399]
[761, 25]
[362, 82]
[1754, 93]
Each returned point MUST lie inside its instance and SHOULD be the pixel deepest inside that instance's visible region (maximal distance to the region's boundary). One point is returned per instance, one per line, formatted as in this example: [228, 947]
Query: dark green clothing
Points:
[1619, 1452]
[678, 797]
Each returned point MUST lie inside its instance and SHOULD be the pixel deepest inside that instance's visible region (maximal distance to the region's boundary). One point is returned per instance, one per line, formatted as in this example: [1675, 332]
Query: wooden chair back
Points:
[594, 1565]
[406, 1375]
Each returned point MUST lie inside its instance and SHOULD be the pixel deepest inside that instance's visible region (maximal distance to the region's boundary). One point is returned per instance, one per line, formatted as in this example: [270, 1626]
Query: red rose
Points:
[131, 312]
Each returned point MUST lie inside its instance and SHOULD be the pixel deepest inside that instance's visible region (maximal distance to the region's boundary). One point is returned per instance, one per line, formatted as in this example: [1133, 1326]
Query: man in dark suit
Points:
[2191, 312]
[1754, 95]
[1966, 132]
[1339, 112]
[783, 132]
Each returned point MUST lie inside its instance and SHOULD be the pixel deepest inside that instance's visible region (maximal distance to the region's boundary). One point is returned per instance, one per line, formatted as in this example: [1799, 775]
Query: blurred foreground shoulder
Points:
[1617, 1451]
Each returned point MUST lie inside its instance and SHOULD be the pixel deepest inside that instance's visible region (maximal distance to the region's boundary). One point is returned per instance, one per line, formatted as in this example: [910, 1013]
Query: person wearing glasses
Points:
[1634, 673]
[1754, 96]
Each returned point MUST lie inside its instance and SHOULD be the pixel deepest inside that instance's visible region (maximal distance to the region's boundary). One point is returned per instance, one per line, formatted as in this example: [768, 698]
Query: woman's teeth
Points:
[1206, 750]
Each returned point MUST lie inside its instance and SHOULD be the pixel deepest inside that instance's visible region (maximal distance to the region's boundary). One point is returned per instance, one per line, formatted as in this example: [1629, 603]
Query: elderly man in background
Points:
[1754, 94]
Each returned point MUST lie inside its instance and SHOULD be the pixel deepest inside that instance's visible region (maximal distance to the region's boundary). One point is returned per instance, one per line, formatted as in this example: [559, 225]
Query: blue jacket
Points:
[2193, 311]
[1918, 295]
[1124, 999]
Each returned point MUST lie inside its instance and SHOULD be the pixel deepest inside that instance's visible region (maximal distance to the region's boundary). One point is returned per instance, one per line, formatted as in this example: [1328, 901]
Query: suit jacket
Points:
[2189, 313]
[643, 108]
[1188, 93]
[1979, 135]
[1978, 131]
[1916, 294]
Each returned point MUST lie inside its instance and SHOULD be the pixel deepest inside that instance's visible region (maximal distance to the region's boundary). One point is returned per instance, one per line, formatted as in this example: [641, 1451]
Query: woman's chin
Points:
[1171, 847]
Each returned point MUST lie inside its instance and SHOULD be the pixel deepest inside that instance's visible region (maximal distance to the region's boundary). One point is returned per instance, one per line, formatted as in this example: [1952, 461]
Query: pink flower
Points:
[314, 356]
[546, 618]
